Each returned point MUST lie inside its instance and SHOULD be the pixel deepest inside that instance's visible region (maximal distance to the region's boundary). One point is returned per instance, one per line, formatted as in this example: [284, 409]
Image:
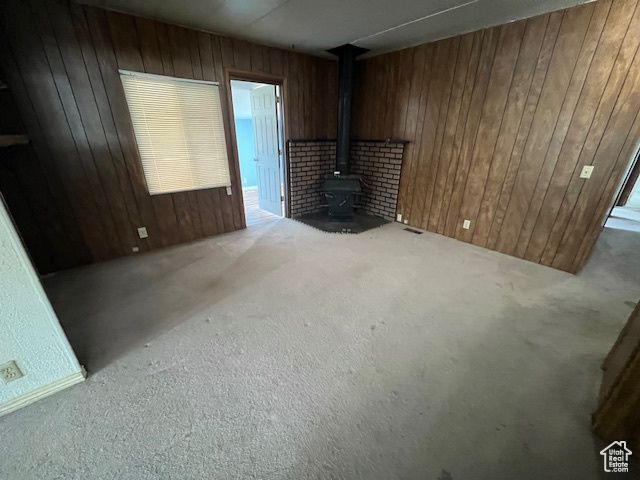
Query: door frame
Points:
[231, 73]
[613, 202]
[629, 183]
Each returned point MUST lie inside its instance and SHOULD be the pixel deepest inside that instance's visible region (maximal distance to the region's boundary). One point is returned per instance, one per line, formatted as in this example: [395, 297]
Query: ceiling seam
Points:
[426, 17]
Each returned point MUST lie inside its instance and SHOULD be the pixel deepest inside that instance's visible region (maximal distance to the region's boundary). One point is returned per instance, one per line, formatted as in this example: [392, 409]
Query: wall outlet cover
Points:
[405, 222]
[586, 172]
[9, 372]
[466, 224]
[142, 232]
[135, 249]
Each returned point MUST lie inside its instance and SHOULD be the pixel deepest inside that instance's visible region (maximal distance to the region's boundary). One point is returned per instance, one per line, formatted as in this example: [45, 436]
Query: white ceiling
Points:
[313, 26]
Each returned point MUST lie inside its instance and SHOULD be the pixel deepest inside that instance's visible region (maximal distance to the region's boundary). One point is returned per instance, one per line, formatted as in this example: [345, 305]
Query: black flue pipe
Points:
[346, 72]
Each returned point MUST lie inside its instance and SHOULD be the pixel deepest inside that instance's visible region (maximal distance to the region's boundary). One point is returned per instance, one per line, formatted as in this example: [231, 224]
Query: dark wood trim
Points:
[630, 181]
[617, 416]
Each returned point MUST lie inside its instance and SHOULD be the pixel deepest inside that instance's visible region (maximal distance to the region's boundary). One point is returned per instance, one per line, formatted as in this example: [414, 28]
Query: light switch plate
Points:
[466, 224]
[399, 217]
[142, 232]
[586, 171]
[10, 372]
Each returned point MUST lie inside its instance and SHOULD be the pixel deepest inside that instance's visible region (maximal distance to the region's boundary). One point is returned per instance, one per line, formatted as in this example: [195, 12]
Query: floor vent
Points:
[414, 231]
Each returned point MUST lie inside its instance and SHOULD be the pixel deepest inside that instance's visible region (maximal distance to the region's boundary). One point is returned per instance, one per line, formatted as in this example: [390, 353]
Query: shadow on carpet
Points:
[361, 223]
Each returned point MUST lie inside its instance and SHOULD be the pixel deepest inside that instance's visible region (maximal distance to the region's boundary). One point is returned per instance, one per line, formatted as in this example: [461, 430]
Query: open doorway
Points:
[258, 125]
[625, 215]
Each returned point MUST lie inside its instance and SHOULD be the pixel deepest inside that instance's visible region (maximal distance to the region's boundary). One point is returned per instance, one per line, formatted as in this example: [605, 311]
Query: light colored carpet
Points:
[282, 352]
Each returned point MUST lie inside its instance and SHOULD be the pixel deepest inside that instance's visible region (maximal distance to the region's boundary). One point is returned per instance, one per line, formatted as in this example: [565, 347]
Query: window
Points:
[179, 130]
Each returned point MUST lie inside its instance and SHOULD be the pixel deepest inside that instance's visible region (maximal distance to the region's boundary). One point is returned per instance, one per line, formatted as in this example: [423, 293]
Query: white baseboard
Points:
[42, 392]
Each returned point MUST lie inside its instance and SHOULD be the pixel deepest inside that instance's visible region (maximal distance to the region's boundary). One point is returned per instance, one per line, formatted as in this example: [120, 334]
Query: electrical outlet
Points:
[10, 372]
[399, 217]
[466, 224]
[586, 172]
[142, 232]
[135, 249]
[405, 222]
[229, 191]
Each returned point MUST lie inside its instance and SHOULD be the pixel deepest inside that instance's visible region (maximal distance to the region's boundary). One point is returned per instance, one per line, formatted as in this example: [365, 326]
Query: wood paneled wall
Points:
[618, 412]
[501, 122]
[78, 191]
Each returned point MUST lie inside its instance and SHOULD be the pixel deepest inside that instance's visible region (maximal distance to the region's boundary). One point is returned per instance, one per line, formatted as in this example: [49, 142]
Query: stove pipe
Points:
[346, 69]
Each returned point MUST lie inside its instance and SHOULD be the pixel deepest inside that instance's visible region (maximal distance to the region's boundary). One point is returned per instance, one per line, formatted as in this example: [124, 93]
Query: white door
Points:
[265, 135]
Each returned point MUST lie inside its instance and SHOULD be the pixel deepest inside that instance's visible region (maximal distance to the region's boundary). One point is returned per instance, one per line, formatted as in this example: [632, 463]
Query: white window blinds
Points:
[179, 130]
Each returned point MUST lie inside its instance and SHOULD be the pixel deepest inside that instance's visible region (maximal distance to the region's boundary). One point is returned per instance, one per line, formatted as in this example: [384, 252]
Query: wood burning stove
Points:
[342, 194]
[342, 191]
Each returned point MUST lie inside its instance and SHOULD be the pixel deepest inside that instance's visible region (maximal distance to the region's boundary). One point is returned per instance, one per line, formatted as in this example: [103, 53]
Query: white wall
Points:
[241, 102]
[31, 334]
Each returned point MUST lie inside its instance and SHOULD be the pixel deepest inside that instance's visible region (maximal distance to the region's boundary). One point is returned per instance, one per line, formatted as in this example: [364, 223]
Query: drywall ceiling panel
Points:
[218, 16]
[467, 17]
[312, 26]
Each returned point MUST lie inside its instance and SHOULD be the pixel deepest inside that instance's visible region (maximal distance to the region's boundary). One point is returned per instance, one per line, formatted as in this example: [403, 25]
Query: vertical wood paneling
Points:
[491, 118]
[500, 129]
[15, 192]
[537, 83]
[607, 199]
[592, 90]
[596, 130]
[362, 113]
[485, 62]
[427, 122]
[118, 110]
[417, 123]
[460, 140]
[440, 165]
[617, 414]
[106, 178]
[405, 67]
[43, 189]
[108, 142]
[235, 53]
[604, 160]
[67, 75]
[38, 76]
[558, 76]
[567, 111]
[530, 46]
[155, 50]
[459, 63]
[85, 193]
[422, 202]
